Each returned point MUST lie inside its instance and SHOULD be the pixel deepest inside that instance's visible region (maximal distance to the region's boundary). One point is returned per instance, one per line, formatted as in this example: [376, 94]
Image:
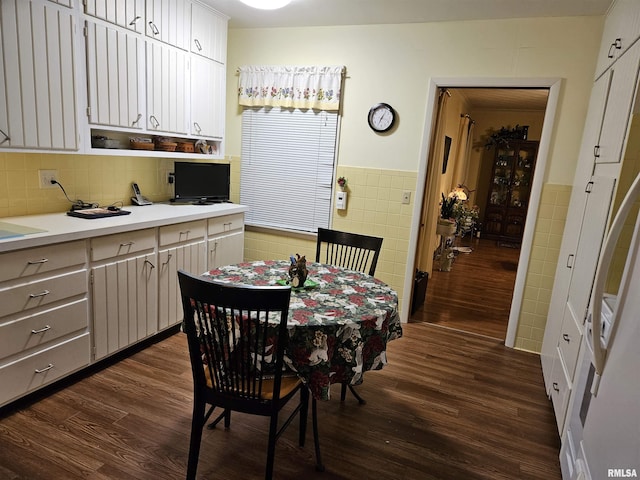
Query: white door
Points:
[115, 62]
[38, 104]
[207, 98]
[128, 14]
[190, 258]
[125, 303]
[168, 22]
[167, 73]
[226, 250]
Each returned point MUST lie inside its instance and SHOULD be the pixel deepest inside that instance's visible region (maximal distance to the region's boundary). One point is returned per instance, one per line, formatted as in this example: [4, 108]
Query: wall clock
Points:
[381, 117]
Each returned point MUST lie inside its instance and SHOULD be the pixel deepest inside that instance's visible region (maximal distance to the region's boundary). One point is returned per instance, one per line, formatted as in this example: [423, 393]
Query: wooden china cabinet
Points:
[509, 190]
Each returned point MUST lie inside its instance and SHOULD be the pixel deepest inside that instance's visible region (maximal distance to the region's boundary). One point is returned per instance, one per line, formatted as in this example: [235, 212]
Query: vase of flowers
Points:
[342, 183]
[447, 223]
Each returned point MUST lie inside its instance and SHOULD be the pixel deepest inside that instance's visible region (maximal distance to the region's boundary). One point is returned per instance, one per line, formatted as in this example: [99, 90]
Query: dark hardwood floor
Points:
[475, 295]
[448, 406]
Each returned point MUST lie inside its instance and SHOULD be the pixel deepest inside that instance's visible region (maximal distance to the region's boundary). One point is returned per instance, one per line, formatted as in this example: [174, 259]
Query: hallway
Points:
[475, 296]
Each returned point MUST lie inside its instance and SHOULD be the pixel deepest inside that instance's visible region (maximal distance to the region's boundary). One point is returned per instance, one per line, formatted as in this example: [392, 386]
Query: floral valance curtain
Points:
[316, 87]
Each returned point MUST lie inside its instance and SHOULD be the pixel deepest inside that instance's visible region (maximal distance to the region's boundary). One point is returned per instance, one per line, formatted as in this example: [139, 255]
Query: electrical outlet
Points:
[406, 198]
[46, 176]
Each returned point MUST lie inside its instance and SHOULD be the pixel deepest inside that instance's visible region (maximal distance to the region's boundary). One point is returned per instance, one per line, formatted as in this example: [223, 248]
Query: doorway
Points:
[516, 260]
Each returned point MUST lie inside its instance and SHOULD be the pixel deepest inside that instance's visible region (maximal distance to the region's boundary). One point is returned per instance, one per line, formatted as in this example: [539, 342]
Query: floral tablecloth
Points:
[338, 329]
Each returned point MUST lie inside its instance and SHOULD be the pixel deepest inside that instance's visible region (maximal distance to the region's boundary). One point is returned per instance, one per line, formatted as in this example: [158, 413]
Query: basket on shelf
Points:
[141, 144]
[186, 147]
[166, 146]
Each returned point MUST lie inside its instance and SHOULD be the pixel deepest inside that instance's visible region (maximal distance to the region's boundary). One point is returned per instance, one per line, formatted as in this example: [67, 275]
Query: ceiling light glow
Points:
[266, 4]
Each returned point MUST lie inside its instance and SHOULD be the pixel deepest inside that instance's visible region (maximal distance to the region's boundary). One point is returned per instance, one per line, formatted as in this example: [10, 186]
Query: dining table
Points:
[339, 321]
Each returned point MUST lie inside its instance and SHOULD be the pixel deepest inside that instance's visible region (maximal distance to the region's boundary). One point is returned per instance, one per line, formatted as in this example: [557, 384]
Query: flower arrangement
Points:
[342, 182]
[447, 206]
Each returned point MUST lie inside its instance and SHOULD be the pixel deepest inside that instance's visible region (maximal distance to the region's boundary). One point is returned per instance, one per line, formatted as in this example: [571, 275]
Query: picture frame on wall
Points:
[447, 149]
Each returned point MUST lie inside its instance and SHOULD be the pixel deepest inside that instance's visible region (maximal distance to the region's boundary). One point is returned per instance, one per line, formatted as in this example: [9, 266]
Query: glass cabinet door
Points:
[502, 168]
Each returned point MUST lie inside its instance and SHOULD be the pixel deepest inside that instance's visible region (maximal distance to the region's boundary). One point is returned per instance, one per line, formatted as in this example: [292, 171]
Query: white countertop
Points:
[60, 227]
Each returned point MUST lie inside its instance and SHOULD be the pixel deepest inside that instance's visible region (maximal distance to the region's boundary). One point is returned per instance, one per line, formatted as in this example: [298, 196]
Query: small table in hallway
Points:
[338, 329]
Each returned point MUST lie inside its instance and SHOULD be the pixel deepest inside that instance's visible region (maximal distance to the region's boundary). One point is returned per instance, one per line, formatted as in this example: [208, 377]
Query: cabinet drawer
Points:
[182, 232]
[24, 263]
[225, 224]
[41, 293]
[43, 327]
[560, 392]
[35, 371]
[122, 244]
[569, 344]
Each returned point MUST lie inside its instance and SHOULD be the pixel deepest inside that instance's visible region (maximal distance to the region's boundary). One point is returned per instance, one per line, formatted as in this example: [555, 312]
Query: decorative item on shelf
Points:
[342, 183]
[141, 143]
[203, 147]
[100, 141]
[502, 136]
[298, 270]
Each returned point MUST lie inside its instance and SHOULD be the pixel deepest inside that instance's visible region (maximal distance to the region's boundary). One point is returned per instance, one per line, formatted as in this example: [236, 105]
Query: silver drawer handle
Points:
[151, 264]
[168, 260]
[37, 262]
[41, 294]
[555, 386]
[42, 370]
[127, 244]
[134, 21]
[42, 330]
[566, 338]
[198, 46]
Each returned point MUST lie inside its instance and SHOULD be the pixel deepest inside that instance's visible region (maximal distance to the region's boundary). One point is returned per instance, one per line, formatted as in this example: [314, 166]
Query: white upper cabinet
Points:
[66, 3]
[38, 104]
[115, 76]
[167, 89]
[207, 98]
[128, 14]
[619, 87]
[621, 28]
[168, 21]
[208, 33]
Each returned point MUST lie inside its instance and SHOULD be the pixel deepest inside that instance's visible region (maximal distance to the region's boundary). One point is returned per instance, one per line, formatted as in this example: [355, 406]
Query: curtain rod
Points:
[466, 115]
[344, 74]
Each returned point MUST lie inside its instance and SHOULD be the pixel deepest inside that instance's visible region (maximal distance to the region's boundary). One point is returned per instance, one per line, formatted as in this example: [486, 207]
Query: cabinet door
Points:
[619, 82]
[226, 250]
[597, 207]
[124, 13]
[208, 33]
[168, 22]
[207, 98]
[115, 59]
[167, 70]
[125, 303]
[190, 258]
[621, 29]
[38, 101]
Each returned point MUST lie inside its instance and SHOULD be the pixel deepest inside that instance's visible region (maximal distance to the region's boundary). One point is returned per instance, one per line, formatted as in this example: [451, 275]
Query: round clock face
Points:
[381, 117]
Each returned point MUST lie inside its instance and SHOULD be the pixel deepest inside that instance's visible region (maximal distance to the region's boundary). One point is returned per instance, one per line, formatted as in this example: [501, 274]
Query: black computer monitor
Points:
[202, 183]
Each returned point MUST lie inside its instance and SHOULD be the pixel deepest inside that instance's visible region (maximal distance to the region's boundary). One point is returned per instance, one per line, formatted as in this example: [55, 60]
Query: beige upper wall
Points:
[393, 64]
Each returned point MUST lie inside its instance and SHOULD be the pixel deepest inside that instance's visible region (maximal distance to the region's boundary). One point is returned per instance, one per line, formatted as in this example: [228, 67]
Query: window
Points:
[288, 158]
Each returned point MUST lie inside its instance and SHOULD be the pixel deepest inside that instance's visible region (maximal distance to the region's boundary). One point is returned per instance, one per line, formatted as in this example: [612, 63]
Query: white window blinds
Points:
[287, 167]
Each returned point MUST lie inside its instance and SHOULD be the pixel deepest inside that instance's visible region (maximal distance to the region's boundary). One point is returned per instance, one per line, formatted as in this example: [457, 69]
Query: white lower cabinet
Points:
[44, 317]
[225, 241]
[65, 306]
[124, 293]
[182, 247]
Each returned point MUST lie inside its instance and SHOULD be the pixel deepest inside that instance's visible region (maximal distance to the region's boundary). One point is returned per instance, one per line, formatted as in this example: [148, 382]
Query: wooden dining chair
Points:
[353, 251]
[237, 360]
